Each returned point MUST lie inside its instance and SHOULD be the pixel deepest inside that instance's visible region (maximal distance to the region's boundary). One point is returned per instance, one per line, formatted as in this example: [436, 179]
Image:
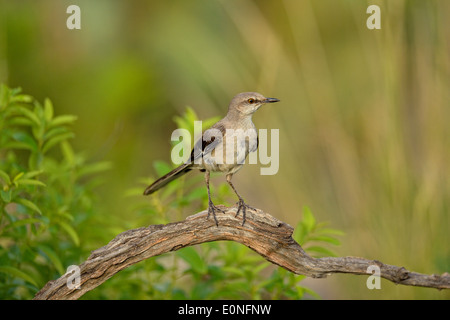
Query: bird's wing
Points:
[210, 139]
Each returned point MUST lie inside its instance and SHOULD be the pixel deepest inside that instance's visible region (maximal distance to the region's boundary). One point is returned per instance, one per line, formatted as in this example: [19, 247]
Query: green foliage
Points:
[312, 236]
[45, 197]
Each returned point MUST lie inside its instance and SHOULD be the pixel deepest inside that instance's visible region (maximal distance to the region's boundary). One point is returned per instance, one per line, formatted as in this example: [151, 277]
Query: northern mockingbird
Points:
[223, 148]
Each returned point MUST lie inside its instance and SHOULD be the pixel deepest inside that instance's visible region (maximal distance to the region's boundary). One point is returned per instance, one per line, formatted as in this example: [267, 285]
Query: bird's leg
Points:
[211, 207]
[241, 204]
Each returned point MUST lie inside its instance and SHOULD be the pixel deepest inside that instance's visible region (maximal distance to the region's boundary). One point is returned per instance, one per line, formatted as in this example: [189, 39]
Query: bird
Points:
[223, 148]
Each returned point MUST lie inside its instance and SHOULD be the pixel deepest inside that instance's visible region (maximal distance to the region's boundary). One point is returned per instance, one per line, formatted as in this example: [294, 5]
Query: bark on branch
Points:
[266, 235]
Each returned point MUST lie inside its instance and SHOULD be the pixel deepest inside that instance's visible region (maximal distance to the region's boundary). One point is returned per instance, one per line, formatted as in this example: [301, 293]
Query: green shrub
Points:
[46, 194]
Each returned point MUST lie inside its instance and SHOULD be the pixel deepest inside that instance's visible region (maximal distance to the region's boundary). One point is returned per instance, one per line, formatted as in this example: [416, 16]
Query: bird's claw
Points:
[212, 209]
[243, 206]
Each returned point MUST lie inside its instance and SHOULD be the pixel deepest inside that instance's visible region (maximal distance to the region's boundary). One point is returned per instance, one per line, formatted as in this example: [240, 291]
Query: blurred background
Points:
[363, 118]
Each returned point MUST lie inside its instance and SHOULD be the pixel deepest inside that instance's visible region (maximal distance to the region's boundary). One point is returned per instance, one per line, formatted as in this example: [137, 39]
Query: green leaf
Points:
[5, 177]
[22, 222]
[56, 139]
[14, 272]
[26, 139]
[29, 114]
[32, 174]
[53, 257]
[182, 123]
[308, 219]
[190, 115]
[48, 110]
[71, 232]
[324, 238]
[66, 215]
[64, 119]
[191, 256]
[27, 203]
[305, 226]
[187, 120]
[299, 233]
[234, 271]
[38, 132]
[30, 182]
[15, 91]
[19, 145]
[23, 98]
[20, 121]
[55, 131]
[68, 152]
[18, 176]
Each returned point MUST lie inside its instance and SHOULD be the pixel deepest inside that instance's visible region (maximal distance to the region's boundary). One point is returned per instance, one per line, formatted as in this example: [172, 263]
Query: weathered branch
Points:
[266, 235]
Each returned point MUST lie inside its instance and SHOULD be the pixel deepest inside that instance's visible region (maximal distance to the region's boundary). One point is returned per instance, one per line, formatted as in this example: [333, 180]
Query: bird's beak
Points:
[271, 100]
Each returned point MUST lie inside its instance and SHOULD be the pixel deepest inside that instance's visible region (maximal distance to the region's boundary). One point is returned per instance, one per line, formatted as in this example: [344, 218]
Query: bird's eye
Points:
[251, 100]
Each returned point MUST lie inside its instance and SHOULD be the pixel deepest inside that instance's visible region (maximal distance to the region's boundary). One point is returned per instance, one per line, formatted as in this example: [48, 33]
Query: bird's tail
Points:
[165, 179]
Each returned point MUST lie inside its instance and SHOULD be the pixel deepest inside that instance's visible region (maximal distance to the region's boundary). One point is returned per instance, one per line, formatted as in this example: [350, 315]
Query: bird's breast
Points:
[230, 154]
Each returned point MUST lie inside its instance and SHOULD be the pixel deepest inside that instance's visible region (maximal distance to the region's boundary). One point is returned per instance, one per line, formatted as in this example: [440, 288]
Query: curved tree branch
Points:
[266, 235]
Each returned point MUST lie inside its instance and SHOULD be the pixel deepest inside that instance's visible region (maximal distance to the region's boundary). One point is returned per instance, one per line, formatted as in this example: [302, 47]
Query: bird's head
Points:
[247, 103]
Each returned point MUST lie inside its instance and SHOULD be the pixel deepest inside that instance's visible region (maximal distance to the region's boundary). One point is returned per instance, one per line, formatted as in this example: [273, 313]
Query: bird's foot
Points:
[212, 209]
[244, 207]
